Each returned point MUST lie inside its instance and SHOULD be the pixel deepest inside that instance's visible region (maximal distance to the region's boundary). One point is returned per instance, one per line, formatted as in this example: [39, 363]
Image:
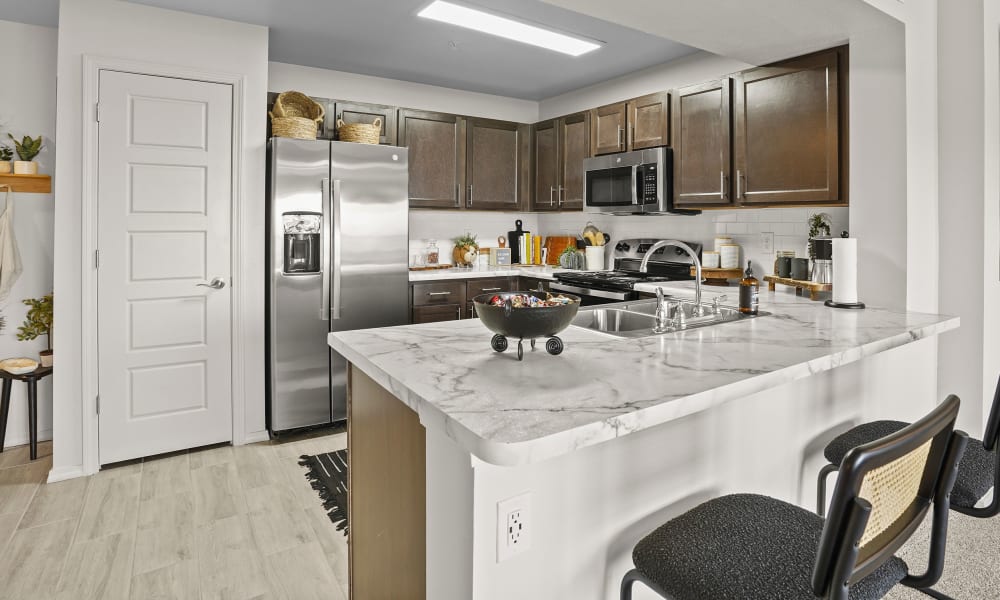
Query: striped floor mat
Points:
[328, 476]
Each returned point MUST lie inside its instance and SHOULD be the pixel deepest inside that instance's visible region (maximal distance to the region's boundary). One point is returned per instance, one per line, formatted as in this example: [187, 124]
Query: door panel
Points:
[608, 129]
[701, 140]
[436, 144]
[787, 139]
[165, 178]
[492, 165]
[649, 121]
[574, 147]
[546, 165]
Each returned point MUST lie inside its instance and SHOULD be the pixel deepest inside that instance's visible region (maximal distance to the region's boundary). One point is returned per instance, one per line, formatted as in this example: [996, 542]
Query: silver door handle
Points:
[739, 191]
[324, 294]
[438, 293]
[338, 242]
[215, 284]
[552, 190]
[559, 196]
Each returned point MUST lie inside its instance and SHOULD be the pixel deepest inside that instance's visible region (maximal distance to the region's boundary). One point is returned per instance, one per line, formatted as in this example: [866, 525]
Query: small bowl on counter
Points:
[526, 316]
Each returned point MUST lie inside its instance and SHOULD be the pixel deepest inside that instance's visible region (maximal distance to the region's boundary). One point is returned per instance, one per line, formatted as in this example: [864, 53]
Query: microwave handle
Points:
[636, 194]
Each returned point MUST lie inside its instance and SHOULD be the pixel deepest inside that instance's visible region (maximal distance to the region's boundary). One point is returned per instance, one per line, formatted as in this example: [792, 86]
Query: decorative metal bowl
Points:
[527, 322]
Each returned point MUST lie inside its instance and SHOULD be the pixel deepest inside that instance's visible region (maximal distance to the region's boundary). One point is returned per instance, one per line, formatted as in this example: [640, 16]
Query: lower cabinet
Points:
[435, 314]
[451, 300]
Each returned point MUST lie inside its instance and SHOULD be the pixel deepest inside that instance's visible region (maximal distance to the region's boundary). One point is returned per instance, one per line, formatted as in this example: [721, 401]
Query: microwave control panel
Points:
[647, 182]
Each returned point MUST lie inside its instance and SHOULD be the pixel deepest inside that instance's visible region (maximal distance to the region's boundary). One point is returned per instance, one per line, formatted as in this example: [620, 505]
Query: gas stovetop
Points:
[667, 264]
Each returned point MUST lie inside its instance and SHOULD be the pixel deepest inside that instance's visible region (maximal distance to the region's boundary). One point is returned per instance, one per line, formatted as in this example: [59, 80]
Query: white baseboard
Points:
[256, 436]
[18, 440]
[64, 473]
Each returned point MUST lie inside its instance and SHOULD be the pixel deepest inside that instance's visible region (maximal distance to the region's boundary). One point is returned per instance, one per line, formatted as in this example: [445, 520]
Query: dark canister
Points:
[800, 269]
[785, 266]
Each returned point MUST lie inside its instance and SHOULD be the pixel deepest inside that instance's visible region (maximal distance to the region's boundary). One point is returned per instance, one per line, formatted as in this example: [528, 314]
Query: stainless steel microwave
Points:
[631, 183]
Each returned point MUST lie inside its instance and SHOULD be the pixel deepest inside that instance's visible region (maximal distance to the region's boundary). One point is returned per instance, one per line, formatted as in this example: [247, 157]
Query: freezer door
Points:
[370, 227]
[298, 318]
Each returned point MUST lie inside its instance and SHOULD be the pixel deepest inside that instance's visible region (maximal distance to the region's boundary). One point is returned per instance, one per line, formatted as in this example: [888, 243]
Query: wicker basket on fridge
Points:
[361, 133]
[296, 115]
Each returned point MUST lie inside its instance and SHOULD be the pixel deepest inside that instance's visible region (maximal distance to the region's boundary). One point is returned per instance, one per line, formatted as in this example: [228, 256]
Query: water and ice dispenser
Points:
[303, 234]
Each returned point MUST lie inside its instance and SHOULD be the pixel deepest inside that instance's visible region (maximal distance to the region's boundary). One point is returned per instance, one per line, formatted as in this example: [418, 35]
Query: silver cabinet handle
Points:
[324, 301]
[337, 243]
[620, 145]
[559, 196]
[470, 195]
[552, 190]
[722, 185]
[438, 293]
[631, 135]
[216, 284]
[489, 289]
[739, 191]
[458, 312]
[458, 193]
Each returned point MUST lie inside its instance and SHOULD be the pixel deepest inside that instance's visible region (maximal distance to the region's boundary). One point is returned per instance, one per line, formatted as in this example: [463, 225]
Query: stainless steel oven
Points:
[629, 183]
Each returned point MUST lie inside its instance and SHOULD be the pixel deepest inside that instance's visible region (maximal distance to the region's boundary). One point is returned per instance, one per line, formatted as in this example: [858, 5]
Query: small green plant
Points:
[27, 148]
[38, 321]
[466, 241]
[6, 154]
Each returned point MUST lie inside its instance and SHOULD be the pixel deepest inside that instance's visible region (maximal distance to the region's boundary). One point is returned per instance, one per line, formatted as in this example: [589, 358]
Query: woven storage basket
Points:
[362, 133]
[296, 115]
[299, 128]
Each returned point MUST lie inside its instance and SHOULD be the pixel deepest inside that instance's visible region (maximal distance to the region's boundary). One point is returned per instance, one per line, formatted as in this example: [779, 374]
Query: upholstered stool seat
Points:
[745, 546]
[975, 473]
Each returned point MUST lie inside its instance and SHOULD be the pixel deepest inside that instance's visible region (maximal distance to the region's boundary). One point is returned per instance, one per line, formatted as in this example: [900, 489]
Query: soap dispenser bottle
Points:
[749, 292]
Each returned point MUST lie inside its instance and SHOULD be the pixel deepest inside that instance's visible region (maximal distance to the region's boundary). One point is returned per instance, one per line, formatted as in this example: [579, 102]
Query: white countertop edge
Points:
[543, 448]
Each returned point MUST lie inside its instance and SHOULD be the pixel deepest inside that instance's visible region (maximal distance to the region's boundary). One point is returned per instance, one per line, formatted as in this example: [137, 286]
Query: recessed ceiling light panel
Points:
[473, 18]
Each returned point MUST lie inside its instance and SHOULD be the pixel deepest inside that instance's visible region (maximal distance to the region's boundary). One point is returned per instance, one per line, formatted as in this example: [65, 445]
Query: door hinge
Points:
[97, 112]
[97, 259]
[97, 402]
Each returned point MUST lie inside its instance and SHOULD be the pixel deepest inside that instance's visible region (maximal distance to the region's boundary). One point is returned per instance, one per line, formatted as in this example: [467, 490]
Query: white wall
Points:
[991, 212]
[28, 106]
[110, 28]
[694, 68]
[325, 83]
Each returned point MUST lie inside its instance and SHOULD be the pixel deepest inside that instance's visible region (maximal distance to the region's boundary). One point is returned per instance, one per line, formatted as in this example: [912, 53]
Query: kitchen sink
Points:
[637, 319]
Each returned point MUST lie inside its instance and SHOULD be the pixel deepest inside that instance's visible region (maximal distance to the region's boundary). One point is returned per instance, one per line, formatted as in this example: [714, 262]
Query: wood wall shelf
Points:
[28, 184]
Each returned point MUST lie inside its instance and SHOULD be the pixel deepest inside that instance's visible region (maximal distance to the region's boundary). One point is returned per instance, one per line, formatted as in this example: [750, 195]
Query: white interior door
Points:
[164, 204]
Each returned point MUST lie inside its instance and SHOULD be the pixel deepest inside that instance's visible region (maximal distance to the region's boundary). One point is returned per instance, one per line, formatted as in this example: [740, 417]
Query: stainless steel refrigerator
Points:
[338, 254]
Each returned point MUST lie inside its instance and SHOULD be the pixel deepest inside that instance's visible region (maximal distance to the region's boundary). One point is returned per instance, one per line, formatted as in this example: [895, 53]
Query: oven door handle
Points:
[572, 289]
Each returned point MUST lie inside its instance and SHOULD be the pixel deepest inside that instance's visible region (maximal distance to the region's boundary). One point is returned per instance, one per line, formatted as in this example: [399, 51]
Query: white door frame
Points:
[92, 66]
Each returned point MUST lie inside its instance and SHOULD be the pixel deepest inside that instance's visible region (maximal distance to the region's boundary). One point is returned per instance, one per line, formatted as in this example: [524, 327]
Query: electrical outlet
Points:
[513, 526]
[767, 242]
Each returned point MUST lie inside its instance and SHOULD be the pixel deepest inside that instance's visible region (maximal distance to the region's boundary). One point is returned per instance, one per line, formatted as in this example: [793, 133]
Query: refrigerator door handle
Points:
[337, 241]
[324, 303]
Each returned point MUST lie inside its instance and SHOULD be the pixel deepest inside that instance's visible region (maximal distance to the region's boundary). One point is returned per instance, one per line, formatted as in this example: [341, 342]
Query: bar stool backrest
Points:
[884, 490]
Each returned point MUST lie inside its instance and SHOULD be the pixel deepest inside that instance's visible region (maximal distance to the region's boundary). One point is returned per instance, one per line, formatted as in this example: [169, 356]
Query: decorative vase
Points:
[25, 167]
[464, 255]
[4, 167]
[45, 357]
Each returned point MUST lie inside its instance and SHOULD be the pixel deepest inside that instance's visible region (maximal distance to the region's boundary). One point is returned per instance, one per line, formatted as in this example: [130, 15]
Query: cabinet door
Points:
[546, 165]
[436, 314]
[354, 112]
[607, 129]
[436, 145]
[702, 116]
[492, 165]
[649, 121]
[787, 132]
[574, 147]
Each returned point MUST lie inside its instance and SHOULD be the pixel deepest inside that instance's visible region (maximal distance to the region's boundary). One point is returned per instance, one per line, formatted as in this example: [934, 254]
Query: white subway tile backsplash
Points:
[736, 228]
[748, 216]
[783, 228]
[725, 217]
[720, 228]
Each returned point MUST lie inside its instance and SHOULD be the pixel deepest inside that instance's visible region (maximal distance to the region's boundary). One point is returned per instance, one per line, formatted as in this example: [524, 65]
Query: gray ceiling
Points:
[385, 38]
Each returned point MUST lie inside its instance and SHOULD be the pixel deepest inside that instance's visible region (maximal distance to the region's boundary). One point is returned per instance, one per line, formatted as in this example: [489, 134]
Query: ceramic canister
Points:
[710, 260]
[721, 240]
[729, 256]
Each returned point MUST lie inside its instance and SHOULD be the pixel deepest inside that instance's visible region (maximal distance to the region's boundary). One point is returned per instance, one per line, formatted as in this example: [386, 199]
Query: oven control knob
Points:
[622, 247]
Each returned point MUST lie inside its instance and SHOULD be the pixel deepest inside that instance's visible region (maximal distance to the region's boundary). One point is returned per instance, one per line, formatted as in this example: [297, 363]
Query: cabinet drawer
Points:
[443, 292]
[436, 314]
[476, 287]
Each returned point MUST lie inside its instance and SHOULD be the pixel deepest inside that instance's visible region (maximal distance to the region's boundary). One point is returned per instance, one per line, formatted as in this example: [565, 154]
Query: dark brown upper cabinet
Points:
[702, 135]
[649, 121]
[436, 144]
[493, 164]
[560, 147]
[356, 112]
[788, 135]
[639, 123]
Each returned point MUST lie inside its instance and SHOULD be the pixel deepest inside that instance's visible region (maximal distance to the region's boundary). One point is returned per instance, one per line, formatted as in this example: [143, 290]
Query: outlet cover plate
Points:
[514, 526]
[767, 242]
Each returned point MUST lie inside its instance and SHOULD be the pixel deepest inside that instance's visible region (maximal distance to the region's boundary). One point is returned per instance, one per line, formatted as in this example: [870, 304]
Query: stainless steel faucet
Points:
[644, 265]
[661, 313]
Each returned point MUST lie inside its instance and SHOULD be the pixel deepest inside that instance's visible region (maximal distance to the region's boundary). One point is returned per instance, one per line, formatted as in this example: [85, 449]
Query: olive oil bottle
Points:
[749, 292]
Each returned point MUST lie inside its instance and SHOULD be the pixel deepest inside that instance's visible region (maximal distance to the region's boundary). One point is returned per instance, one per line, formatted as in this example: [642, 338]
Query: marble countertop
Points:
[601, 387]
[455, 273]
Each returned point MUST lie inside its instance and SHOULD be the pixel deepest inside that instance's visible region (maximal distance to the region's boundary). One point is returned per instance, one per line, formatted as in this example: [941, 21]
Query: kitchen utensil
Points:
[595, 258]
[20, 366]
[525, 323]
[593, 235]
[514, 239]
[800, 269]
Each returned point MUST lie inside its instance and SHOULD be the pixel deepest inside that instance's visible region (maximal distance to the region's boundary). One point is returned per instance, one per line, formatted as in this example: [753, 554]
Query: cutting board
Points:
[556, 244]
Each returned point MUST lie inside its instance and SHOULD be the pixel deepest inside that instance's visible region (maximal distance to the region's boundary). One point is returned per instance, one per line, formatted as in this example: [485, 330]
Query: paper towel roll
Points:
[845, 270]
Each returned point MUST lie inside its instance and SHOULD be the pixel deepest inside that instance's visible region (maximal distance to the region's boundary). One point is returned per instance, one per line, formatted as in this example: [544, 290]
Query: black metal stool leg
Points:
[33, 417]
[821, 488]
[627, 582]
[4, 410]
[935, 594]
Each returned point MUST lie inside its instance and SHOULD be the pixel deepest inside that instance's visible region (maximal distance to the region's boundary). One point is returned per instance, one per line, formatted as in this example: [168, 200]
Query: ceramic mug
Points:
[800, 269]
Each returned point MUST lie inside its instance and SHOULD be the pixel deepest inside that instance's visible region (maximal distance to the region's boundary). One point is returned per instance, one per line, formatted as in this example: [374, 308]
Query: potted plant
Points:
[819, 225]
[6, 154]
[27, 150]
[38, 322]
[466, 250]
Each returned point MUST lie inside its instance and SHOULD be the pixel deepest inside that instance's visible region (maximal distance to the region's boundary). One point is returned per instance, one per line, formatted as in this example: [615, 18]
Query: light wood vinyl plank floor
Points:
[234, 523]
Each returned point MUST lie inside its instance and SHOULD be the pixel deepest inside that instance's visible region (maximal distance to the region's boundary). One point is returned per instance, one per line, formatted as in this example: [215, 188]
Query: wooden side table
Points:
[32, 380]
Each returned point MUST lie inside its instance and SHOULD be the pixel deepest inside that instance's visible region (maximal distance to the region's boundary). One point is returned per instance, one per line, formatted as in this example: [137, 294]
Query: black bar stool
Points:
[978, 472]
[749, 546]
[31, 379]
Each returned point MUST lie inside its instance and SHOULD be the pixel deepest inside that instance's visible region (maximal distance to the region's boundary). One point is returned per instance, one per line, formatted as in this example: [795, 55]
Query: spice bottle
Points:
[432, 253]
[749, 292]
